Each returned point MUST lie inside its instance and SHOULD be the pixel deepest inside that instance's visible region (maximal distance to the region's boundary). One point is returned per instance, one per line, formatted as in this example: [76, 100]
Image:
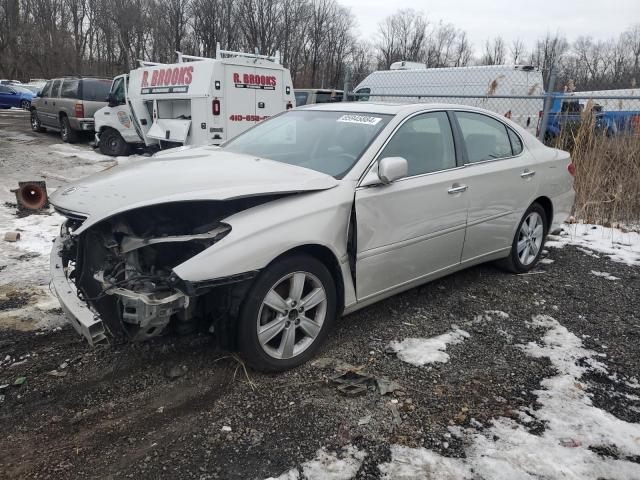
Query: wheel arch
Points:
[547, 206]
[328, 259]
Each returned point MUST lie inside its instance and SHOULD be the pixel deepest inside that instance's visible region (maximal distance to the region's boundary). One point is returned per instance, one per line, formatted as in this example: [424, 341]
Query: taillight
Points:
[79, 109]
[215, 107]
[289, 105]
[571, 168]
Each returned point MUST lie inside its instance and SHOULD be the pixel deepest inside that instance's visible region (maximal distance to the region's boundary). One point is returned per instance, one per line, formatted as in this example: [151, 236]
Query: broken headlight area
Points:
[123, 267]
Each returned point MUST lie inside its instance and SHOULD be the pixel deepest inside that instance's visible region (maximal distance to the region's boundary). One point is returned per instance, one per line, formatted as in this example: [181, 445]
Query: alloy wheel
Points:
[530, 238]
[291, 315]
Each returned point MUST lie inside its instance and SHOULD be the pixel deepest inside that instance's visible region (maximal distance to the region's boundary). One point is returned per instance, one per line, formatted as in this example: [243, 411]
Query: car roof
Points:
[389, 108]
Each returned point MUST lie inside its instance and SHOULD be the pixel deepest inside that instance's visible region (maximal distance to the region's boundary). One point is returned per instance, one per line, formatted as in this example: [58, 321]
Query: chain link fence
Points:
[600, 128]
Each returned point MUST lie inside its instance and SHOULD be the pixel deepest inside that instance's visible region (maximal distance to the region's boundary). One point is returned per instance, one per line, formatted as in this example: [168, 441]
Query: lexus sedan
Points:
[310, 215]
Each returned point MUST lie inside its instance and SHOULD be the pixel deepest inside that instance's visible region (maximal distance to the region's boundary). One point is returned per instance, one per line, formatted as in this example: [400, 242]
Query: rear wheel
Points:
[68, 134]
[112, 143]
[36, 126]
[287, 314]
[528, 241]
[25, 104]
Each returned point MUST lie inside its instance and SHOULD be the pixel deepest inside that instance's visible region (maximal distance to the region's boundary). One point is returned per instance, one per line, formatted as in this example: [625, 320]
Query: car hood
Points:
[203, 173]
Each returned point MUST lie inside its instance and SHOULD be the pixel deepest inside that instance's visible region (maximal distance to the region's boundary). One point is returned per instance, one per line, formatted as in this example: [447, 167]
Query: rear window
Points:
[69, 89]
[326, 97]
[95, 90]
[301, 98]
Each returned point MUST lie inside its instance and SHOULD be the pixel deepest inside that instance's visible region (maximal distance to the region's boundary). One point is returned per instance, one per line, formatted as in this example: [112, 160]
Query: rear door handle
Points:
[456, 188]
[528, 173]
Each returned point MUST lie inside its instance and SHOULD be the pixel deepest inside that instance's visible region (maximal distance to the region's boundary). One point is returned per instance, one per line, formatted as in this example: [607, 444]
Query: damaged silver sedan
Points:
[310, 215]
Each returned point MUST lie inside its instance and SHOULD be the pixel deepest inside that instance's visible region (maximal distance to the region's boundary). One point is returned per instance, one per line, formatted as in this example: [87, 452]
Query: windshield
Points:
[328, 142]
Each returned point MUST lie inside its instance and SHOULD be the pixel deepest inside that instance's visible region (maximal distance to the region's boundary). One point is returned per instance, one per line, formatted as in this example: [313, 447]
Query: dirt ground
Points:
[178, 408]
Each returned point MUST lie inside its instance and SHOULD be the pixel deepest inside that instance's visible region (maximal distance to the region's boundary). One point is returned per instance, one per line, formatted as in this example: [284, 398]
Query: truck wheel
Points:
[36, 126]
[68, 134]
[112, 143]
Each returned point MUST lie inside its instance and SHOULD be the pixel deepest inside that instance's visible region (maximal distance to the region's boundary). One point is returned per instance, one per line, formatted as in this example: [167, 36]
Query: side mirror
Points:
[111, 101]
[391, 169]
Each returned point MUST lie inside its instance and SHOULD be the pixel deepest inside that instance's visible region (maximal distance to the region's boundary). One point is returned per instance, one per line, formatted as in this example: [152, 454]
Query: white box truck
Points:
[196, 101]
[413, 82]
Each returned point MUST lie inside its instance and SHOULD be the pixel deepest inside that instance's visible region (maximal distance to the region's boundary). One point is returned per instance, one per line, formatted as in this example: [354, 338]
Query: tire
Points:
[112, 143]
[521, 258]
[36, 126]
[25, 104]
[271, 352]
[68, 134]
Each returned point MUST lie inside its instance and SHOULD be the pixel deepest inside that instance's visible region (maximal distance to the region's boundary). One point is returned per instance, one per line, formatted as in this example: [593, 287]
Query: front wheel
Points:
[112, 143]
[528, 241]
[287, 314]
[36, 126]
[25, 104]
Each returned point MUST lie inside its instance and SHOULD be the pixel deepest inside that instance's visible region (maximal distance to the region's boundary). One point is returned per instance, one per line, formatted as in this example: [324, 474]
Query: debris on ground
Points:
[175, 371]
[11, 236]
[19, 381]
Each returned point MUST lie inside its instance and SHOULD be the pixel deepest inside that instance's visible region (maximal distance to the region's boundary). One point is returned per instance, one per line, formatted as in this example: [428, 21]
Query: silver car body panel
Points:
[408, 232]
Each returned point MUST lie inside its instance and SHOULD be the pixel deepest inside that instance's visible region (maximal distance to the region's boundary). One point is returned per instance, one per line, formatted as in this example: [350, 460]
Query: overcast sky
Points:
[512, 19]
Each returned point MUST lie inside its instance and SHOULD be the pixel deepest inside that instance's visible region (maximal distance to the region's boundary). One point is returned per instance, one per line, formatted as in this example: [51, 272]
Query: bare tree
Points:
[494, 52]
[517, 50]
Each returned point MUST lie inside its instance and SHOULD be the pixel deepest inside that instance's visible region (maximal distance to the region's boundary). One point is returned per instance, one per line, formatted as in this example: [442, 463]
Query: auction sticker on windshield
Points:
[363, 119]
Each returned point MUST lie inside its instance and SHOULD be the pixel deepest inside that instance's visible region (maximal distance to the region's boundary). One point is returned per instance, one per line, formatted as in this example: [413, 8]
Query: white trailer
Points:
[479, 86]
[196, 101]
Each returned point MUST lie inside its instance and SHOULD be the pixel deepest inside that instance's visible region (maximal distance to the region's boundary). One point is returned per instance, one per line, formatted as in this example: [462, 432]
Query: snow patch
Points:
[78, 152]
[37, 231]
[619, 246]
[16, 136]
[546, 261]
[606, 275]
[507, 450]
[421, 351]
[342, 465]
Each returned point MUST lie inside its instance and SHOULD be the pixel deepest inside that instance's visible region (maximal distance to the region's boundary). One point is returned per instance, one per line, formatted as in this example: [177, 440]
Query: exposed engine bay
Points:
[123, 267]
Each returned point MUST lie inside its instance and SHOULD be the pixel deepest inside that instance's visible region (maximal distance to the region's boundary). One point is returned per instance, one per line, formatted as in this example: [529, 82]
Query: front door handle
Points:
[457, 188]
[528, 173]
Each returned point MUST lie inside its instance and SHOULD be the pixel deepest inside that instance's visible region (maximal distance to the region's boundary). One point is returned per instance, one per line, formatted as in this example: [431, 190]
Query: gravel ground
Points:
[176, 407]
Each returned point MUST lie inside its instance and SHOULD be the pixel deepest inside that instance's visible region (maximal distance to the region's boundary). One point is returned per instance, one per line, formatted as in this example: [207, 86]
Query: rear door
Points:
[239, 99]
[501, 180]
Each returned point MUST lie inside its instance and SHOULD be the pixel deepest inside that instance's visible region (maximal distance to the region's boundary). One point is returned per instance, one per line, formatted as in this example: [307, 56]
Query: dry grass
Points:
[607, 179]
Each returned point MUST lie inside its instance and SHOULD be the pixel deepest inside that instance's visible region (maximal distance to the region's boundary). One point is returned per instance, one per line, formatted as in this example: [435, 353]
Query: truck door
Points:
[239, 100]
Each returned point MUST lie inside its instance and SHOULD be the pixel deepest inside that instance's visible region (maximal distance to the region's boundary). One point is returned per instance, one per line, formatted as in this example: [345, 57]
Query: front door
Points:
[501, 180]
[415, 226]
[8, 96]
[47, 112]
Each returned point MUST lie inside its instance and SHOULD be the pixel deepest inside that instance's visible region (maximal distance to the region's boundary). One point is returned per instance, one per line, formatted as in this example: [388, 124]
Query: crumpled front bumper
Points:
[84, 320]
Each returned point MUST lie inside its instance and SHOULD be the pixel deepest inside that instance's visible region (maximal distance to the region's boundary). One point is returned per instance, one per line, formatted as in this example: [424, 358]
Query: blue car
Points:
[15, 96]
